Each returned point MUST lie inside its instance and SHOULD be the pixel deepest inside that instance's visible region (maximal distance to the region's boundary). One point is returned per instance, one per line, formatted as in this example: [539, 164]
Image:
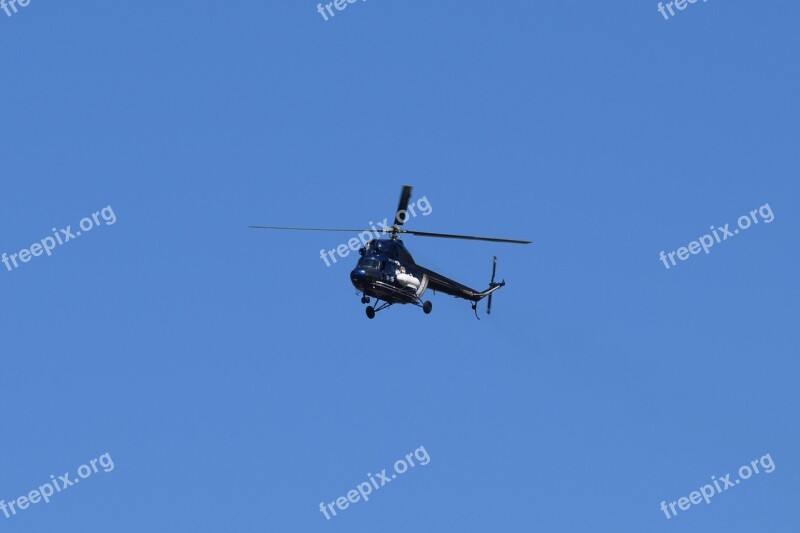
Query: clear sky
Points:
[235, 380]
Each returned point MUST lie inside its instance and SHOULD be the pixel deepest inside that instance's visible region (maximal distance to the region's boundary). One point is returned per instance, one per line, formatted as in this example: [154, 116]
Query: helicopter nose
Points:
[362, 278]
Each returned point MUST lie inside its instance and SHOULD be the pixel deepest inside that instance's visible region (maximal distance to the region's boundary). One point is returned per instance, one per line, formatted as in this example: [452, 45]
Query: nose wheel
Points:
[427, 307]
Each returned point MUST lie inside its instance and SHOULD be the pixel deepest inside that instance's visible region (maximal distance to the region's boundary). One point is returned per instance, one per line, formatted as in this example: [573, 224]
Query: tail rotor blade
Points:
[491, 284]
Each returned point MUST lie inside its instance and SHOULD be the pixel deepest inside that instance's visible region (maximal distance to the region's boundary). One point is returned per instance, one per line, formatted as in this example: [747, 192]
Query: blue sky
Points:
[235, 380]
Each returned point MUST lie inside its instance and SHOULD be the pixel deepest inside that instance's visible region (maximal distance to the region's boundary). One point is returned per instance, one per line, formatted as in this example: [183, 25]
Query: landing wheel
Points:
[427, 307]
[370, 312]
[364, 299]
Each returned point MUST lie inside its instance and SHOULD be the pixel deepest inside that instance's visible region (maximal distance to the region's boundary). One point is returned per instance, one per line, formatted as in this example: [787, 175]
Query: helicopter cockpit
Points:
[391, 249]
[371, 248]
[369, 263]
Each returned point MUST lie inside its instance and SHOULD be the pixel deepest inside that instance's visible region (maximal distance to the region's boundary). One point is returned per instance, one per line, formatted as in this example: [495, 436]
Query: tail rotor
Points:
[491, 284]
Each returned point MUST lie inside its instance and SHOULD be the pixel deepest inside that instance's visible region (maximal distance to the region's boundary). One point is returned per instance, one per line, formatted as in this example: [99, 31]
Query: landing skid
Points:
[372, 310]
[426, 306]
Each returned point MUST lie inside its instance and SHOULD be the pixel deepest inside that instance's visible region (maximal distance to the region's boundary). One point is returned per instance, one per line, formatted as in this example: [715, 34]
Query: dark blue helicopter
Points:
[387, 272]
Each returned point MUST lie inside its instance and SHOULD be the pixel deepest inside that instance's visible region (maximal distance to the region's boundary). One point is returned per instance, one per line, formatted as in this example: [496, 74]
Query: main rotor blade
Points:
[314, 229]
[402, 206]
[465, 237]
[399, 230]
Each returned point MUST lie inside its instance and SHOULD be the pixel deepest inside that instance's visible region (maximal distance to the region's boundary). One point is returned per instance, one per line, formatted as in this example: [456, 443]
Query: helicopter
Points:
[387, 272]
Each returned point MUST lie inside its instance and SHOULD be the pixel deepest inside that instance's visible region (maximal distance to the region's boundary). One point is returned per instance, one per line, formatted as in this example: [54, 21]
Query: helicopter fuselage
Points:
[386, 271]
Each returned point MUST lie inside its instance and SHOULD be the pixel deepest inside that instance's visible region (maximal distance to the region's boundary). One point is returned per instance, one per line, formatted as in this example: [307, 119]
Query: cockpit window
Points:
[369, 264]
